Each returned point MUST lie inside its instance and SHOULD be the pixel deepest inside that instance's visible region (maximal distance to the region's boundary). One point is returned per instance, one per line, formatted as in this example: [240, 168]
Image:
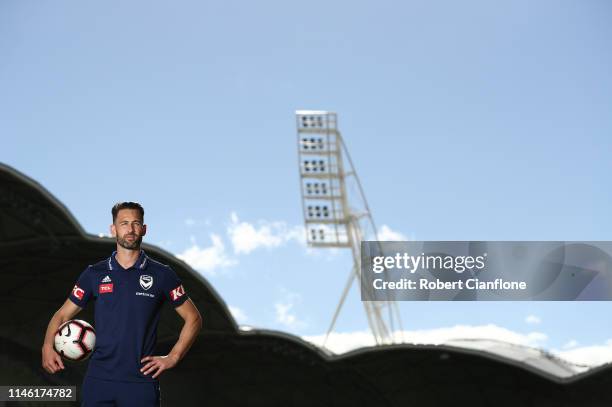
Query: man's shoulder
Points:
[157, 265]
[100, 266]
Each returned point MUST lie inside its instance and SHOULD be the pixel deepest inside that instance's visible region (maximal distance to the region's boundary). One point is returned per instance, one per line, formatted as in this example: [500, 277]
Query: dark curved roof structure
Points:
[43, 249]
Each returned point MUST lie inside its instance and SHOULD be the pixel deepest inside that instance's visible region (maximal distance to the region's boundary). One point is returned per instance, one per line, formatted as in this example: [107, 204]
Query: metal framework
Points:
[328, 217]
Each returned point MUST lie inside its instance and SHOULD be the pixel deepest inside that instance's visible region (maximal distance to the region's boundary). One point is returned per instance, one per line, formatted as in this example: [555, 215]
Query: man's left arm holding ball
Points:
[51, 360]
[77, 301]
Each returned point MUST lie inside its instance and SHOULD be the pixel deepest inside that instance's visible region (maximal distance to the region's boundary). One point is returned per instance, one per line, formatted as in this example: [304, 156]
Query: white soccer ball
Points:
[75, 339]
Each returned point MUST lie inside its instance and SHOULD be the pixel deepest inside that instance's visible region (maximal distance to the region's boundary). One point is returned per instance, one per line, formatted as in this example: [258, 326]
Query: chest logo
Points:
[146, 281]
[105, 288]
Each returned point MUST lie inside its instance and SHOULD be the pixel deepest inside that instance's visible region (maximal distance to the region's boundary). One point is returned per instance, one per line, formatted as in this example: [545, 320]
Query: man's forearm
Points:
[52, 328]
[187, 337]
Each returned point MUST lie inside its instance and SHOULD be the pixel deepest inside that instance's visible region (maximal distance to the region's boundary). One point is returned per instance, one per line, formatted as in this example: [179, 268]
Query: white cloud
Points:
[571, 344]
[285, 312]
[238, 314]
[385, 233]
[208, 259]
[284, 315]
[246, 237]
[532, 319]
[341, 342]
[593, 355]
[344, 342]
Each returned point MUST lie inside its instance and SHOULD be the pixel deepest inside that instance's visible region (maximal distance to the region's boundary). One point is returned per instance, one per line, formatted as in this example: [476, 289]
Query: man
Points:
[129, 289]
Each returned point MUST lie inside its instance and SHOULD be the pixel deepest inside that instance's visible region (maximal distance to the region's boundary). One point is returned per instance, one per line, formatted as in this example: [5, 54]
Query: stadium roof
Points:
[537, 360]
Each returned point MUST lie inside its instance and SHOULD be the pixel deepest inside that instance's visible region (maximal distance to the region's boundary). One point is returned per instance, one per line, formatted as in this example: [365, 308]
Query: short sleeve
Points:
[82, 290]
[173, 288]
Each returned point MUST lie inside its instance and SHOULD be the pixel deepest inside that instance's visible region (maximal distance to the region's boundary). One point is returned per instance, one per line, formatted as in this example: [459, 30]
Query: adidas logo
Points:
[106, 279]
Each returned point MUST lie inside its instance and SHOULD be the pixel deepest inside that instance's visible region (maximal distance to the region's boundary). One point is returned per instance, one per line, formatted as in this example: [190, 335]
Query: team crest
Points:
[146, 282]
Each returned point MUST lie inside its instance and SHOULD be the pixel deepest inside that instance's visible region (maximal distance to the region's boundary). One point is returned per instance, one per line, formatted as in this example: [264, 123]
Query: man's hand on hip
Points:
[157, 364]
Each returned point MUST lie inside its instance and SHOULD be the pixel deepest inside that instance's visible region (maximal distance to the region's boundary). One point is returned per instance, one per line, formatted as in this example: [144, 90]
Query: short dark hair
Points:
[126, 205]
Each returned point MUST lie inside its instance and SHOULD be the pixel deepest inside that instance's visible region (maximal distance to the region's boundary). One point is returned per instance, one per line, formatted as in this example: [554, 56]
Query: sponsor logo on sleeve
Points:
[105, 288]
[177, 293]
[78, 292]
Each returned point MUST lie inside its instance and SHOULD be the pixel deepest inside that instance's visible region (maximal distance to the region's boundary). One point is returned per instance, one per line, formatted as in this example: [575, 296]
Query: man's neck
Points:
[126, 258]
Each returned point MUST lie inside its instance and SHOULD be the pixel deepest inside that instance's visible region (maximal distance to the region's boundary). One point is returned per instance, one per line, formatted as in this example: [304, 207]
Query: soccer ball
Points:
[75, 339]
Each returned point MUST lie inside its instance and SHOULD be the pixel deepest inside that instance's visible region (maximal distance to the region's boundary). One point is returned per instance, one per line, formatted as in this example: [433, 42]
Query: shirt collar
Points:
[141, 262]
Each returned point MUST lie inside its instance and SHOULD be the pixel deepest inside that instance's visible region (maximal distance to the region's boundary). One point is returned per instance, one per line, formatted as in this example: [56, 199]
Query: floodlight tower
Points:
[329, 218]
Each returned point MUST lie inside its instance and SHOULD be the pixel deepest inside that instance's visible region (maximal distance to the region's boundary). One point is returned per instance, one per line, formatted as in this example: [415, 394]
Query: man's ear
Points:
[113, 230]
[144, 230]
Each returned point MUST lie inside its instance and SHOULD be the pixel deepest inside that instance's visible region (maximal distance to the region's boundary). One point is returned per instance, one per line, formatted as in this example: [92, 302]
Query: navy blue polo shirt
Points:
[128, 304]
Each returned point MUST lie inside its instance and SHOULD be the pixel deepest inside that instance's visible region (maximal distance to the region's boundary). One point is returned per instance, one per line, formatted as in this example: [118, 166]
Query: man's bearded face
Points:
[129, 229]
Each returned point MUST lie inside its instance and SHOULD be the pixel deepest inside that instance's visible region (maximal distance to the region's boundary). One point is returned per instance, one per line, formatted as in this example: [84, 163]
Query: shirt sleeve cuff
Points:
[78, 303]
[180, 301]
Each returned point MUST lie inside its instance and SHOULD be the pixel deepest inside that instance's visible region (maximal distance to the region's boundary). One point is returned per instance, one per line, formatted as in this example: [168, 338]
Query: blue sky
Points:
[475, 120]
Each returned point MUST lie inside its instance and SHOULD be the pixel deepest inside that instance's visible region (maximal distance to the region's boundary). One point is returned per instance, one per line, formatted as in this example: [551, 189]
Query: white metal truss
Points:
[328, 217]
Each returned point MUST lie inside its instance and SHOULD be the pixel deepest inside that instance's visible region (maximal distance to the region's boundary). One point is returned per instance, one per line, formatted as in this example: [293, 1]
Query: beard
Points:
[130, 245]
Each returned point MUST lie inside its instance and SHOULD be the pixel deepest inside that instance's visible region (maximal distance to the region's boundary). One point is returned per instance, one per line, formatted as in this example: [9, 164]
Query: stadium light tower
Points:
[329, 218]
